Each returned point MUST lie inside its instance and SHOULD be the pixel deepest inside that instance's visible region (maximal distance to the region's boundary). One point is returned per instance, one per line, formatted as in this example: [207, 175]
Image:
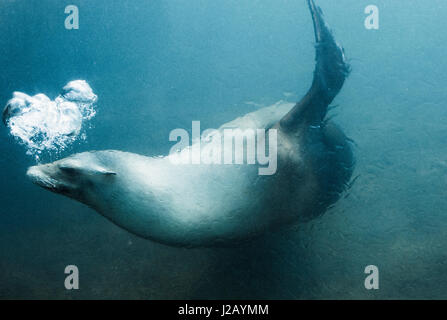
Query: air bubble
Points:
[45, 125]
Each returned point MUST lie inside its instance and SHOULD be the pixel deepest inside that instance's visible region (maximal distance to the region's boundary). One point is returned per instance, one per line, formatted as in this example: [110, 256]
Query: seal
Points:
[211, 205]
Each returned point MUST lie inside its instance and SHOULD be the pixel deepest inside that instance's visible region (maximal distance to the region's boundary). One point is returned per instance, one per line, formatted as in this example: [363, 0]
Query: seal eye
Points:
[68, 170]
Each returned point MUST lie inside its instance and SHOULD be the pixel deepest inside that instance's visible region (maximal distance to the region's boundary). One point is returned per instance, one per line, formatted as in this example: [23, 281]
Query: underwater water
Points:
[158, 65]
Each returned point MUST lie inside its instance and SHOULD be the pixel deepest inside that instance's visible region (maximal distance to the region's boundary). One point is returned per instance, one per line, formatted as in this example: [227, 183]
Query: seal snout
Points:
[39, 176]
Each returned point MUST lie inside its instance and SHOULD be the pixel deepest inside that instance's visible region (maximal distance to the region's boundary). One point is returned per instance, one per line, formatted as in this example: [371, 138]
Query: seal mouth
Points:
[38, 176]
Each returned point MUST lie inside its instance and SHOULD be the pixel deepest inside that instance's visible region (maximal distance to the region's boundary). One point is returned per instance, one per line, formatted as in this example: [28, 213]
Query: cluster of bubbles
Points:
[45, 125]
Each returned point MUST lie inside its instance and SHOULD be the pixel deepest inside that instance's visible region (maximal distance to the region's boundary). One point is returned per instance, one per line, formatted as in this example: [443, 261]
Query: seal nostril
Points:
[31, 172]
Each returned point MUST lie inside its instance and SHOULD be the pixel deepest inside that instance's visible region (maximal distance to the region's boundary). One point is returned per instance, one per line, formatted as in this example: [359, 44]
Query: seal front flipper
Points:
[331, 70]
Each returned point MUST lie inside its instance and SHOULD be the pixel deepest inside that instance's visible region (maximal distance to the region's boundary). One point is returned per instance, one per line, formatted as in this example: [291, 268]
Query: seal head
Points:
[72, 176]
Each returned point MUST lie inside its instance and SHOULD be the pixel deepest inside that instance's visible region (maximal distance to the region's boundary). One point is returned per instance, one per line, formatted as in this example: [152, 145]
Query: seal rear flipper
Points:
[331, 70]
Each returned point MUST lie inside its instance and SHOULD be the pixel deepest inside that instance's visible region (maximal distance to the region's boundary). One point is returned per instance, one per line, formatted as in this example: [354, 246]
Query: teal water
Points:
[158, 65]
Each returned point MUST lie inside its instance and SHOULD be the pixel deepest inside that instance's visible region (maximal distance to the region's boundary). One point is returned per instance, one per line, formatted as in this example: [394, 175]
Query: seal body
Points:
[213, 204]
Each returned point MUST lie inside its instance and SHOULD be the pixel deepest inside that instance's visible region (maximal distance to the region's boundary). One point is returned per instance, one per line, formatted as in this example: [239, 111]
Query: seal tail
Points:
[330, 72]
